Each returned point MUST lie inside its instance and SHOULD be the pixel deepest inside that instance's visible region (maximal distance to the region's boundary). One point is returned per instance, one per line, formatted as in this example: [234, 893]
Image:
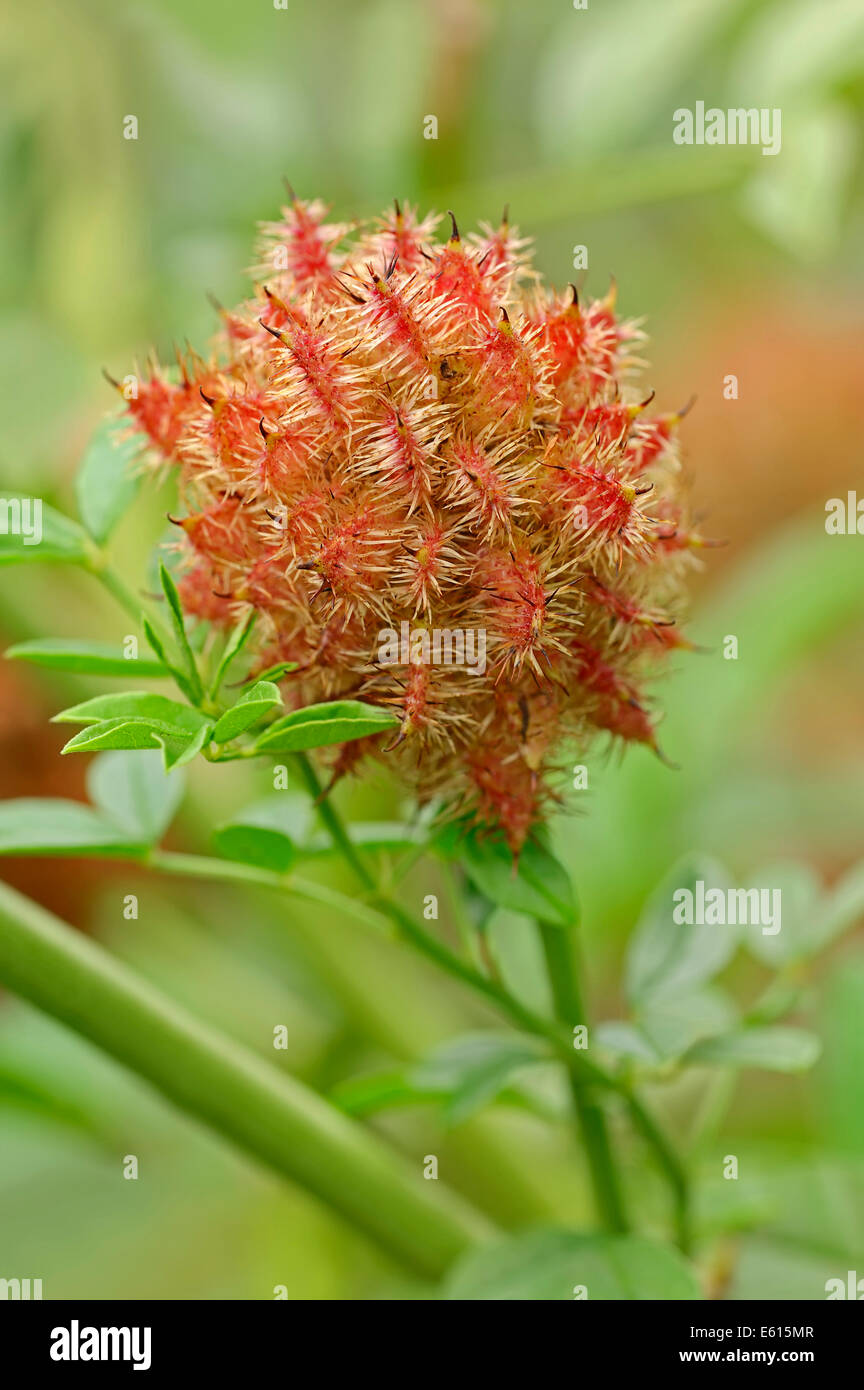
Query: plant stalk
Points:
[263, 1110]
[559, 951]
[581, 1072]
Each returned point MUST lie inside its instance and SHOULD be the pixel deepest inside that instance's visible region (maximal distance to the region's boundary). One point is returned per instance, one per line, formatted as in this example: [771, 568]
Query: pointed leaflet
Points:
[253, 705]
[669, 1026]
[274, 673]
[88, 658]
[178, 751]
[772, 1049]
[108, 478]
[169, 588]
[118, 733]
[237, 640]
[798, 892]
[31, 530]
[180, 745]
[134, 791]
[666, 957]
[31, 825]
[537, 886]
[254, 844]
[471, 1071]
[134, 704]
[317, 726]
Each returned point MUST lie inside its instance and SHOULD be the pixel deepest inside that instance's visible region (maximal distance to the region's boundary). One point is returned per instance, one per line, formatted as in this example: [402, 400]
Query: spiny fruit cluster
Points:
[398, 426]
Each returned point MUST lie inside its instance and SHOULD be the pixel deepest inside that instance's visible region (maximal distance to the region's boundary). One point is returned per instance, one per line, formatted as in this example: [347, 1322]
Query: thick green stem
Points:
[244, 1098]
[582, 1072]
[559, 951]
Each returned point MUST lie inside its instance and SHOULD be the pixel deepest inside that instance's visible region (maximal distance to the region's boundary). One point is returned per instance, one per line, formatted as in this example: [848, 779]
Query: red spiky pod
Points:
[439, 487]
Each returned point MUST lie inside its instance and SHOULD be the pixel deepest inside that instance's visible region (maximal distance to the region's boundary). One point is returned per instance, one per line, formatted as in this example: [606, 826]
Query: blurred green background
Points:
[742, 264]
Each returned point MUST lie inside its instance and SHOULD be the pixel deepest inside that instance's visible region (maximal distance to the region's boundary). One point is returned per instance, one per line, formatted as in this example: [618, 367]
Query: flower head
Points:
[404, 436]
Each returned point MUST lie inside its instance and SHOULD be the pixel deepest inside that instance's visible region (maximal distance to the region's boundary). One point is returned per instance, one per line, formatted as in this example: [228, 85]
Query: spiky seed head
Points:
[397, 428]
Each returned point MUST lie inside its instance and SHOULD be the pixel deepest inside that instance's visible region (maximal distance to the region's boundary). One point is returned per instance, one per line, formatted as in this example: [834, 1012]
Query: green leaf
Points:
[548, 1265]
[288, 813]
[169, 589]
[838, 910]
[673, 1023]
[253, 705]
[108, 479]
[180, 745]
[87, 658]
[772, 1049]
[252, 844]
[515, 946]
[369, 1095]
[810, 1229]
[233, 647]
[666, 957]
[30, 825]
[669, 1027]
[135, 704]
[317, 726]
[471, 1071]
[626, 1040]
[800, 892]
[180, 751]
[31, 530]
[273, 673]
[118, 733]
[134, 791]
[538, 886]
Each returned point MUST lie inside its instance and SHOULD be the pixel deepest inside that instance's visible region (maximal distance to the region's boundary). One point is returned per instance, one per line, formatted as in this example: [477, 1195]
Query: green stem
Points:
[115, 586]
[559, 951]
[376, 913]
[232, 871]
[131, 603]
[669, 1164]
[244, 1098]
[410, 930]
[332, 822]
[580, 1070]
[565, 987]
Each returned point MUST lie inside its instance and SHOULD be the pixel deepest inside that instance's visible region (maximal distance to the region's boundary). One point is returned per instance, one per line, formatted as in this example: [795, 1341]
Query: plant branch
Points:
[559, 951]
[376, 911]
[265, 1111]
[669, 1163]
[581, 1072]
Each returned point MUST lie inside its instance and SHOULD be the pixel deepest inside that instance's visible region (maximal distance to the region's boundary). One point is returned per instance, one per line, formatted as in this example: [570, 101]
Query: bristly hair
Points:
[398, 428]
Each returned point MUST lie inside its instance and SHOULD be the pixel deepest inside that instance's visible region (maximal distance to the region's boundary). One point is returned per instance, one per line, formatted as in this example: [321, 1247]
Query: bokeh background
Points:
[741, 264]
